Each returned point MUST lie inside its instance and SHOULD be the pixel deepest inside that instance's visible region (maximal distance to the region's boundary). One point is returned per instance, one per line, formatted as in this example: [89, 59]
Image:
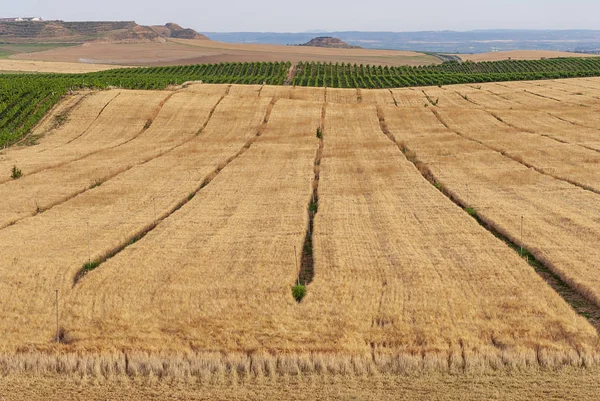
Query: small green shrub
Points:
[16, 173]
[472, 212]
[299, 291]
[90, 266]
[319, 133]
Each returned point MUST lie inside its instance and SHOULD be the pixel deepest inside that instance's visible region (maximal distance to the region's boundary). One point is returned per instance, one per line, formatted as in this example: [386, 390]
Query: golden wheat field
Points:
[448, 237]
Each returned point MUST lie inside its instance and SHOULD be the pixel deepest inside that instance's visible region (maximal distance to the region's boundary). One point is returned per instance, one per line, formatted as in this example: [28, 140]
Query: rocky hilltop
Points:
[90, 31]
[328, 41]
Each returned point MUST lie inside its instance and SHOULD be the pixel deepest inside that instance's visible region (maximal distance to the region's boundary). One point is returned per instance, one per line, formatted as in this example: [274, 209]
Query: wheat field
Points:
[174, 224]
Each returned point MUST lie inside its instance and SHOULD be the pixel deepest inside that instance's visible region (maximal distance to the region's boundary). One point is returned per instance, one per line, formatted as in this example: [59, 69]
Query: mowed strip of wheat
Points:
[178, 121]
[543, 123]
[410, 97]
[478, 95]
[510, 92]
[561, 223]
[561, 160]
[446, 98]
[343, 95]
[207, 89]
[47, 251]
[245, 90]
[122, 120]
[85, 110]
[217, 274]
[578, 113]
[572, 97]
[410, 273]
[377, 96]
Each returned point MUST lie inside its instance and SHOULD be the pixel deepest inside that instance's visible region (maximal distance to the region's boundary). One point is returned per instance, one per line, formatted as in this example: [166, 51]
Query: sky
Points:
[332, 15]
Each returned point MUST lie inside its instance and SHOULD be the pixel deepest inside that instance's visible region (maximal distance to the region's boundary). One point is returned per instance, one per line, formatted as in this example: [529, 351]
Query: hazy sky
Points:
[332, 15]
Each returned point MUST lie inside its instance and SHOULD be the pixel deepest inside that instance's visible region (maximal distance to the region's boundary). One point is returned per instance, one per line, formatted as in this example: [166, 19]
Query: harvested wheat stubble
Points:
[561, 225]
[341, 95]
[121, 121]
[388, 245]
[478, 95]
[245, 90]
[574, 97]
[114, 212]
[379, 96]
[208, 89]
[591, 83]
[410, 97]
[564, 161]
[216, 275]
[308, 94]
[179, 120]
[565, 385]
[552, 126]
[446, 98]
[590, 96]
[513, 92]
[277, 92]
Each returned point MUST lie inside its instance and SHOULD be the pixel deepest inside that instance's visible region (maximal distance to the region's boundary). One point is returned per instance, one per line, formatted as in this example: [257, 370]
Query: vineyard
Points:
[24, 99]
[447, 73]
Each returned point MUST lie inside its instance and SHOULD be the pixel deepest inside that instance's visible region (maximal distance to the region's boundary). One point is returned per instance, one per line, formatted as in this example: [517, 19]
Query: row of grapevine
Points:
[367, 76]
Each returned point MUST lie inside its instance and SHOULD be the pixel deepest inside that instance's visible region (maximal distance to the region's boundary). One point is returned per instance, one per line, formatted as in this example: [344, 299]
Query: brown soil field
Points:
[188, 51]
[520, 55]
[50, 67]
[201, 206]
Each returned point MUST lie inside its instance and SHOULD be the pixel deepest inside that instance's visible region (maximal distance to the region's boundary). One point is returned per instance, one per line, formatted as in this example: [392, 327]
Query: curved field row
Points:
[106, 217]
[217, 274]
[561, 226]
[178, 121]
[125, 116]
[407, 272]
[563, 161]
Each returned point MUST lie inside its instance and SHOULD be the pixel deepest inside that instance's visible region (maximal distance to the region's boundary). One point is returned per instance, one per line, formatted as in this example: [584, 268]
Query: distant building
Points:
[21, 19]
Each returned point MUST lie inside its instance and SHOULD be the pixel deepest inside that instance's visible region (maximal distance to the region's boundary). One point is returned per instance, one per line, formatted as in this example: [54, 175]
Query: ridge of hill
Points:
[329, 42]
[90, 31]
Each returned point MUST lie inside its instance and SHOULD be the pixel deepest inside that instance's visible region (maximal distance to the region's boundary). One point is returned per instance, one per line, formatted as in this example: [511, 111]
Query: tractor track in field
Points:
[99, 182]
[150, 227]
[580, 304]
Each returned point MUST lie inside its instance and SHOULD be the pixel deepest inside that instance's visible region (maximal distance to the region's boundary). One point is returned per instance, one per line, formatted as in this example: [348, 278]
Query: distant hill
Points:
[436, 41]
[329, 42]
[90, 31]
